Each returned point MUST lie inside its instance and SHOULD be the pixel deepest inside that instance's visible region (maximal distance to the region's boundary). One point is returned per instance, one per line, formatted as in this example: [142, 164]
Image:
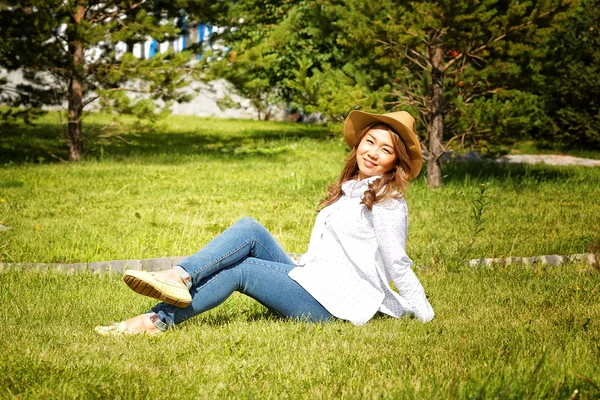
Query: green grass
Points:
[499, 333]
[514, 332]
[169, 191]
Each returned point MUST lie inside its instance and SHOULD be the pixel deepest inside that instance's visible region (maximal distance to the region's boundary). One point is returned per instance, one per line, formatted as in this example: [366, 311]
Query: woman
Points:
[357, 247]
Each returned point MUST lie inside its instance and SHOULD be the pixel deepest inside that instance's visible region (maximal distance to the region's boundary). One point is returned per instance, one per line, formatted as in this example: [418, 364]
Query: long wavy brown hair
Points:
[392, 184]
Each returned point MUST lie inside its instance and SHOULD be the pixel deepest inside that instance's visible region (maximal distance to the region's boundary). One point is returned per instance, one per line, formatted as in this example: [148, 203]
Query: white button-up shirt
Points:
[354, 253]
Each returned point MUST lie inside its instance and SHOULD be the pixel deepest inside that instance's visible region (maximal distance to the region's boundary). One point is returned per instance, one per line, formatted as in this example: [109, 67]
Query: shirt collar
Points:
[356, 188]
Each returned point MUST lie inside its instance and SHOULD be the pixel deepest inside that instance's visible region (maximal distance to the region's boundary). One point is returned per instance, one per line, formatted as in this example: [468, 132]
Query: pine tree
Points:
[570, 82]
[68, 51]
[271, 50]
[458, 65]
[449, 60]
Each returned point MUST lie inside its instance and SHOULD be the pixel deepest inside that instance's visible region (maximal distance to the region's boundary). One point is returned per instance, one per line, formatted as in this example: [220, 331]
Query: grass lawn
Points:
[506, 332]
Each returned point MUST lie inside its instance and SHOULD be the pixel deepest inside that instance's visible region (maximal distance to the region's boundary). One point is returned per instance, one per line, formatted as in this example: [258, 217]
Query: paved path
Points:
[549, 159]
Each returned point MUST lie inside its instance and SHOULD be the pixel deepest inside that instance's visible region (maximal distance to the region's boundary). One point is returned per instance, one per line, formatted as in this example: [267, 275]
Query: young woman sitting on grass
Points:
[357, 247]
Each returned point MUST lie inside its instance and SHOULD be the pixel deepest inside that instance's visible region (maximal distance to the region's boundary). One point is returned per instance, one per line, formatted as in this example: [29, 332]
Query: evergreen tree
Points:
[456, 64]
[570, 82]
[450, 60]
[69, 51]
[264, 44]
[250, 74]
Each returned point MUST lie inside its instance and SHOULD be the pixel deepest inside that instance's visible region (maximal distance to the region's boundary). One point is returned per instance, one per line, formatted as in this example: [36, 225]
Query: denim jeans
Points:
[244, 258]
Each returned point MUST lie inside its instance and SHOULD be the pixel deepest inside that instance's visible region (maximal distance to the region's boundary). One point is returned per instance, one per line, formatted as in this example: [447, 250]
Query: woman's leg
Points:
[245, 238]
[266, 281]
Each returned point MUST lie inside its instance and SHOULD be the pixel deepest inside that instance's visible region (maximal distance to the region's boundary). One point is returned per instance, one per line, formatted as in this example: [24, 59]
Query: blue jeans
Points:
[244, 258]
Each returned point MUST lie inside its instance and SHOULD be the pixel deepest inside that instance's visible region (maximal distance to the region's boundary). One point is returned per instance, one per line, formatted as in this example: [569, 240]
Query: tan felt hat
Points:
[401, 121]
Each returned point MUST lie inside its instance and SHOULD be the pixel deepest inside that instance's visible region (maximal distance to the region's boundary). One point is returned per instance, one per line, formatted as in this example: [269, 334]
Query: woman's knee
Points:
[249, 223]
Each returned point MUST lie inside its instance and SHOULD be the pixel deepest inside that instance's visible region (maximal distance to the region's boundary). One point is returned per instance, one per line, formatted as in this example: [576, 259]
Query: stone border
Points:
[149, 264]
[553, 260]
[158, 264]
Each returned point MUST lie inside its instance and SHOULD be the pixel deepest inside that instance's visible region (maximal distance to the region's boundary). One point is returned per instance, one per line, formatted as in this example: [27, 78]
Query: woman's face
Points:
[375, 153]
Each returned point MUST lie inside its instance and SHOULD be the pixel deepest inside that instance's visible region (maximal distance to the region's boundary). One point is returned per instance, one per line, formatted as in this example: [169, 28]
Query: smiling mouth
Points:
[369, 164]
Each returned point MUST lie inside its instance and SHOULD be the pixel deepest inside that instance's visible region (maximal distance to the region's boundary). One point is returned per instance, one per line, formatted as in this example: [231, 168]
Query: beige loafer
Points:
[120, 329]
[148, 284]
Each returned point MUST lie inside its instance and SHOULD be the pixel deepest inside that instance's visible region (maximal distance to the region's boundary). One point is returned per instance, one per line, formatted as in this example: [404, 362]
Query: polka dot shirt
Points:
[354, 254]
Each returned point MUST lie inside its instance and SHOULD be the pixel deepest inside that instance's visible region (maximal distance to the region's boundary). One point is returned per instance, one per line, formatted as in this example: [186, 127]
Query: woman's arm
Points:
[390, 221]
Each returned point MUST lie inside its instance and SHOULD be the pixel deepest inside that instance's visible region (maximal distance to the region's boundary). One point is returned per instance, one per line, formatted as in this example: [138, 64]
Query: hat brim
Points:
[358, 120]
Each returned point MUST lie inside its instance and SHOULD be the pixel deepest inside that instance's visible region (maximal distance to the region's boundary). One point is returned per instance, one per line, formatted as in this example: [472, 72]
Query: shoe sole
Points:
[146, 289]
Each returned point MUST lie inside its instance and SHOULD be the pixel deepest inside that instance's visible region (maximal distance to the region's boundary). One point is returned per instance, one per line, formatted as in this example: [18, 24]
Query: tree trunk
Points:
[436, 127]
[75, 96]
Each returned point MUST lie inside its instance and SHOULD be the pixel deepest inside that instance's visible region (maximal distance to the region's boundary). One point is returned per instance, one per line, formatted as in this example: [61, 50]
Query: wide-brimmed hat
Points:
[400, 121]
